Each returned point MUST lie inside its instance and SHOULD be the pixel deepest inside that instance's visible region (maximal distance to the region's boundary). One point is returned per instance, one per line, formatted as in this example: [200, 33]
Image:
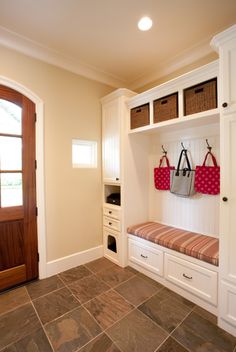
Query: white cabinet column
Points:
[225, 44]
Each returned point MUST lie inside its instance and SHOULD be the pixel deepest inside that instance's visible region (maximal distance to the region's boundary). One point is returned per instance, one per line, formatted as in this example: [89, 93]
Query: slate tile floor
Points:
[99, 307]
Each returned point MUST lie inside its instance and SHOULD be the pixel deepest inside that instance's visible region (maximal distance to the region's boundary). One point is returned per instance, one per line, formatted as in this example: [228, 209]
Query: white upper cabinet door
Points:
[111, 141]
[228, 195]
[225, 44]
[228, 67]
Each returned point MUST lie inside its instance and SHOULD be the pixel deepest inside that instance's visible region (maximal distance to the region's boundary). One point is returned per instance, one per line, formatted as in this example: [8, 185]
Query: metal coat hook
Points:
[182, 145]
[208, 146]
[163, 150]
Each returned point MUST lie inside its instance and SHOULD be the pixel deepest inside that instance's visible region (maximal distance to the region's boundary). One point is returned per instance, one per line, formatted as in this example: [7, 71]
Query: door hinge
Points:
[35, 164]
[35, 117]
[36, 211]
[38, 257]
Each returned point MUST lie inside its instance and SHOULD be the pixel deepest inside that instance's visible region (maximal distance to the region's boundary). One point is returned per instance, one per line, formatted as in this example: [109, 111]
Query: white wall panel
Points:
[199, 213]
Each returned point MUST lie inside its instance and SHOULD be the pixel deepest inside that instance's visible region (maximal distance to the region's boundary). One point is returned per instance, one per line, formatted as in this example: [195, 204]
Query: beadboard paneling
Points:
[200, 213]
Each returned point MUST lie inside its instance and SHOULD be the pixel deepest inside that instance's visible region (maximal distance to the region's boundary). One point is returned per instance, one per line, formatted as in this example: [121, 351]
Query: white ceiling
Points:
[100, 40]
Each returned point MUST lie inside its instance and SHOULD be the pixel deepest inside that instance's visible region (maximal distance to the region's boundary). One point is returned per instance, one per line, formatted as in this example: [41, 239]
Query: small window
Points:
[84, 153]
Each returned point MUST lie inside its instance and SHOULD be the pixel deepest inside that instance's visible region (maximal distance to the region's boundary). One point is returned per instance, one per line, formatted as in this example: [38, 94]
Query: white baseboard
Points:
[56, 266]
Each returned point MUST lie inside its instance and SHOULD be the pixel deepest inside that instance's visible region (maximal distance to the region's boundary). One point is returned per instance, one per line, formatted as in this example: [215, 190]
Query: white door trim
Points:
[40, 190]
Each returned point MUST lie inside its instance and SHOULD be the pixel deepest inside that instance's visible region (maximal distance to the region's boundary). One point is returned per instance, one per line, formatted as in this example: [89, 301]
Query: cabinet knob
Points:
[117, 178]
[225, 199]
[225, 105]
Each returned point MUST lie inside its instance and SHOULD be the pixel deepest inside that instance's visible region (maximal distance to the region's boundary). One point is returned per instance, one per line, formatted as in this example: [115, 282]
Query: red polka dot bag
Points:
[207, 178]
[162, 175]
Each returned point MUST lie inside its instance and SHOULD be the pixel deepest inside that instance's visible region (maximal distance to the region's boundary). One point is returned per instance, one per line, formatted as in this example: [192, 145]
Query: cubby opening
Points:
[112, 194]
[111, 243]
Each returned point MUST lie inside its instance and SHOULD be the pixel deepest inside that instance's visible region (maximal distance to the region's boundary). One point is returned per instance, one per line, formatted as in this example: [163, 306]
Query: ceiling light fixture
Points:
[145, 23]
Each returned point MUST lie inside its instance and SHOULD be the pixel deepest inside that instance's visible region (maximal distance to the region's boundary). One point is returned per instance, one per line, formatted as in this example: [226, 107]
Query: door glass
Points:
[10, 118]
[10, 153]
[11, 189]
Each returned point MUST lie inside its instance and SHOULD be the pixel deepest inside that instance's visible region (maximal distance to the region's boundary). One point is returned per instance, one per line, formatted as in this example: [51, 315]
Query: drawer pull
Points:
[187, 277]
[144, 256]
[110, 223]
[110, 212]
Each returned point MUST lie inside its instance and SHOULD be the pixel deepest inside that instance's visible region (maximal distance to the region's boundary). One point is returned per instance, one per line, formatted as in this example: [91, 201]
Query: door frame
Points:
[40, 188]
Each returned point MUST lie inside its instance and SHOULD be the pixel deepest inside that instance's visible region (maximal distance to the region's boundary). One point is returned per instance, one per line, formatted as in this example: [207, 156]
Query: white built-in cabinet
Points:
[114, 236]
[130, 155]
[225, 44]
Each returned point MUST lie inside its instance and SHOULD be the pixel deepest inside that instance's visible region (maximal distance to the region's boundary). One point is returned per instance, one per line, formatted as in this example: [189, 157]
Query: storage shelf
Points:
[195, 120]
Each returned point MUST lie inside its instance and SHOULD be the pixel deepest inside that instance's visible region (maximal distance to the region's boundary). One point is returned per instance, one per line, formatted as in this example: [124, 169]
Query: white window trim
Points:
[93, 146]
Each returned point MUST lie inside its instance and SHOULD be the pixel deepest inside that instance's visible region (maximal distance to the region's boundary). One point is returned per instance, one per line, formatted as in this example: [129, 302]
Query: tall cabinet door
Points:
[227, 283]
[111, 141]
[228, 195]
[225, 44]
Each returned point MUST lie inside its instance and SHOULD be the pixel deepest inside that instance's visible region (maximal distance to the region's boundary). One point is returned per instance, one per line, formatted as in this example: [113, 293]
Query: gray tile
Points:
[150, 281]
[136, 290]
[99, 264]
[136, 333]
[35, 342]
[72, 331]
[170, 345]
[163, 294]
[88, 288]
[74, 274]
[102, 343]
[205, 314]
[17, 324]
[42, 287]
[108, 308]
[166, 311]
[114, 275]
[55, 304]
[12, 299]
[199, 334]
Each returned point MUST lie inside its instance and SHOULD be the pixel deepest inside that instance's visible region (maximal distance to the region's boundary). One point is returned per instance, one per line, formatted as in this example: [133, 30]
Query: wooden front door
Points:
[18, 223]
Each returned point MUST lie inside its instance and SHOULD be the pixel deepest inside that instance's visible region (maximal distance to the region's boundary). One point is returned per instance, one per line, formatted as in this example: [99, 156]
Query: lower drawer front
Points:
[193, 278]
[111, 223]
[147, 257]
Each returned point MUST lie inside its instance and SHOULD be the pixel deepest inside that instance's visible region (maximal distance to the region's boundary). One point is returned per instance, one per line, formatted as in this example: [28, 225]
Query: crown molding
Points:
[181, 60]
[222, 37]
[30, 48]
[121, 92]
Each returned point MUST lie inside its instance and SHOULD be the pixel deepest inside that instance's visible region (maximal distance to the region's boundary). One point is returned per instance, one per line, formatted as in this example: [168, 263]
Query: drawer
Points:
[111, 223]
[200, 281]
[111, 212]
[147, 257]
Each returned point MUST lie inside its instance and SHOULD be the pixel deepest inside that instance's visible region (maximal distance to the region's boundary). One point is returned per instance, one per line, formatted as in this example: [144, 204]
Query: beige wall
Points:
[72, 110]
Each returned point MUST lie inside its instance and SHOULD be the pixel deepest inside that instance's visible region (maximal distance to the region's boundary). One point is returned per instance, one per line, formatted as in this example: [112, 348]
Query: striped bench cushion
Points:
[202, 247]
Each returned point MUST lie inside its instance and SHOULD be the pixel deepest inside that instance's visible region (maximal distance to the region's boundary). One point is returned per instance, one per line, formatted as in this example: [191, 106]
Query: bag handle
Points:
[162, 159]
[183, 152]
[212, 157]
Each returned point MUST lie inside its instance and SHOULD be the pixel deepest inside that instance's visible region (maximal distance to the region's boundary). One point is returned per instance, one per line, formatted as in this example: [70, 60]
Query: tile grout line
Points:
[44, 330]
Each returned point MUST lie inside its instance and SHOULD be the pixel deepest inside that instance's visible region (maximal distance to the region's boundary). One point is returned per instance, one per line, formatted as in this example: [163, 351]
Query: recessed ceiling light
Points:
[145, 23]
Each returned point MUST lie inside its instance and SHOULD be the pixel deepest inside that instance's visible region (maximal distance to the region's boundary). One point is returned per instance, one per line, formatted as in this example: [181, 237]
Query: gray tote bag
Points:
[182, 180]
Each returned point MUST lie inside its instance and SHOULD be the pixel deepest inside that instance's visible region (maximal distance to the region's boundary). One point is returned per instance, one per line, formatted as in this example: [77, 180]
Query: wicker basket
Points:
[166, 108]
[139, 116]
[201, 97]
